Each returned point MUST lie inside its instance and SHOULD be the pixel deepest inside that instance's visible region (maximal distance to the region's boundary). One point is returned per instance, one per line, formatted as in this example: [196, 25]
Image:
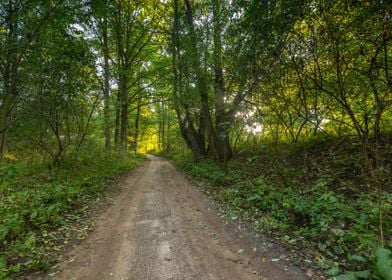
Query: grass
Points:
[40, 208]
[315, 196]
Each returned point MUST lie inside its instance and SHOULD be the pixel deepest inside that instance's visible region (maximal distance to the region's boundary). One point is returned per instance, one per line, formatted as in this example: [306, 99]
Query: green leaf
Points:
[3, 268]
[34, 214]
[3, 232]
[346, 276]
[322, 247]
[351, 275]
[333, 271]
[358, 258]
[3, 263]
[362, 274]
[384, 263]
[15, 268]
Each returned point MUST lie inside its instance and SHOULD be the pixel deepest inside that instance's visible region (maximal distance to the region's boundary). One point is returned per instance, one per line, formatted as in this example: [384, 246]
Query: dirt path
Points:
[162, 227]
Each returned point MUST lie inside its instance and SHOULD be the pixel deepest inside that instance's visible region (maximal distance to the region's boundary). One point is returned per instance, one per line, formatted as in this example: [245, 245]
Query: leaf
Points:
[362, 274]
[3, 263]
[322, 247]
[384, 263]
[34, 214]
[3, 232]
[15, 268]
[333, 271]
[3, 268]
[358, 258]
[351, 275]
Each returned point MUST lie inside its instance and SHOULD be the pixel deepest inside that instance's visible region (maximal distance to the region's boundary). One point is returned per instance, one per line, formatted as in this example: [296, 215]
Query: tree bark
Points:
[223, 146]
[193, 140]
[10, 76]
[117, 121]
[137, 129]
[206, 125]
[124, 113]
[106, 92]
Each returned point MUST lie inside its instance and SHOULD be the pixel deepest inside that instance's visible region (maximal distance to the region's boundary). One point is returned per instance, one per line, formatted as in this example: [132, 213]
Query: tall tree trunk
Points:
[137, 122]
[163, 124]
[124, 113]
[117, 121]
[205, 115]
[223, 147]
[193, 141]
[5, 119]
[167, 141]
[10, 76]
[160, 126]
[106, 91]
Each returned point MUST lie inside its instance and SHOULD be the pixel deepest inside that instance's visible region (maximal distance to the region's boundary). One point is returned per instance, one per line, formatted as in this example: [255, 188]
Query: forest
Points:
[281, 109]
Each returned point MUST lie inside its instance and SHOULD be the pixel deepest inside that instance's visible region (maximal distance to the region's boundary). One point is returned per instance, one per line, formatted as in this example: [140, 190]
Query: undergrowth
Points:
[39, 206]
[313, 196]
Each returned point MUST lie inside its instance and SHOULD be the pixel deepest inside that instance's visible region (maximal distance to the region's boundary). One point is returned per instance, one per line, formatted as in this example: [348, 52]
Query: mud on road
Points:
[161, 227]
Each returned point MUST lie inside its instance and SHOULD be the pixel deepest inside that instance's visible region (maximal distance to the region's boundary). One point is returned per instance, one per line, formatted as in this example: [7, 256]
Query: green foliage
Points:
[384, 263]
[306, 203]
[353, 275]
[3, 268]
[206, 170]
[381, 268]
[37, 202]
[262, 73]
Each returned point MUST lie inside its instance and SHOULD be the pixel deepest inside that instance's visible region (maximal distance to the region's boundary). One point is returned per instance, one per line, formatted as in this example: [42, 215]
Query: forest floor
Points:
[159, 226]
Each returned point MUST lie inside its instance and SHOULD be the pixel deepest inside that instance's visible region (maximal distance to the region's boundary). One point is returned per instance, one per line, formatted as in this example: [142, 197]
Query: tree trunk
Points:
[137, 131]
[167, 141]
[207, 128]
[5, 120]
[10, 76]
[124, 114]
[223, 147]
[163, 133]
[193, 141]
[117, 121]
[106, 91]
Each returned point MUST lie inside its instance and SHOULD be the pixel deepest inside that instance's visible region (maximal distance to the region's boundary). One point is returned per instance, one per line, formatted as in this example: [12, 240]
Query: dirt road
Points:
[162, 227]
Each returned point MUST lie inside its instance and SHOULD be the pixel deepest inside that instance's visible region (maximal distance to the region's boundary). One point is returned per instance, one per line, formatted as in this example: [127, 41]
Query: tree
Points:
[24, 21]
[100, 13]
